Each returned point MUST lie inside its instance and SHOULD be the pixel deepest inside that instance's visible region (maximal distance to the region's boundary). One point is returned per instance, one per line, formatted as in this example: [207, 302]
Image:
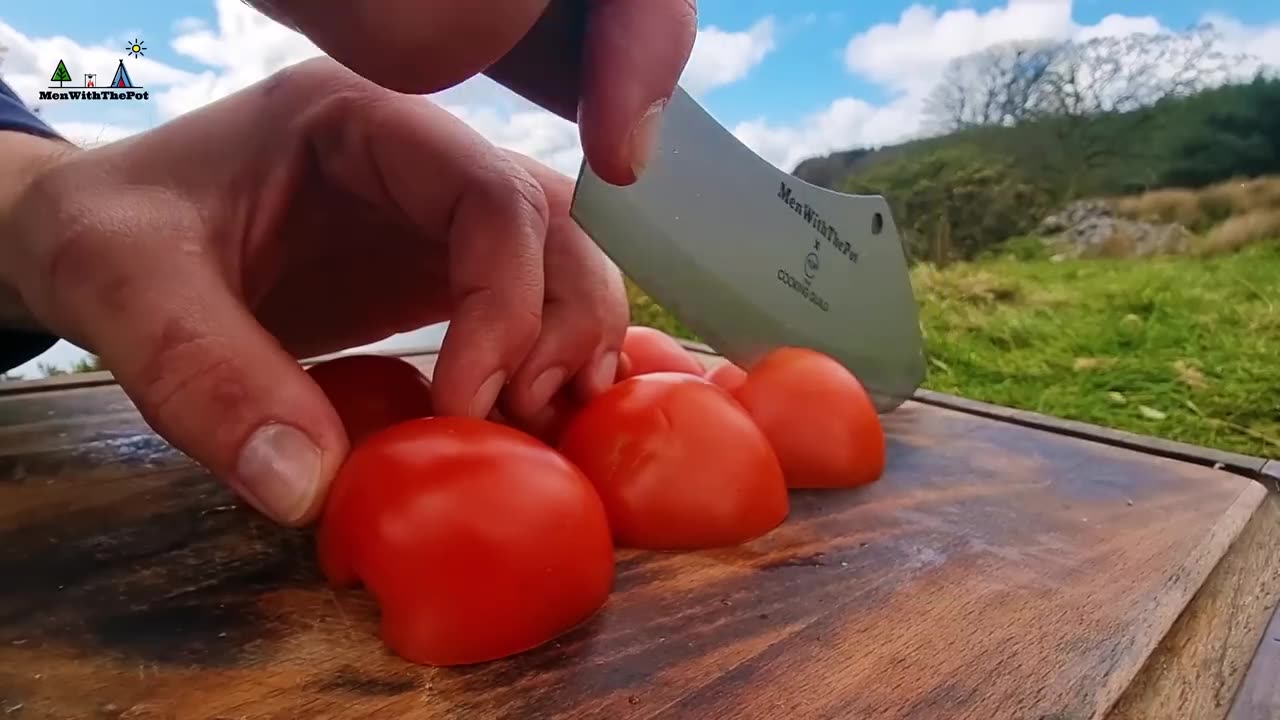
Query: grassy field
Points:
[1181, 348]
[1184, 348]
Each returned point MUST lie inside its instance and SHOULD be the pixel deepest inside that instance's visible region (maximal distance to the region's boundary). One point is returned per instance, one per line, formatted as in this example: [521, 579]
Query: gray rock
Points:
[1089, 228]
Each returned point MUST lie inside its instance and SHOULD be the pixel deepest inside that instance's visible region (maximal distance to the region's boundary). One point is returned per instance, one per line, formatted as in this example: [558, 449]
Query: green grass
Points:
[1181, 348]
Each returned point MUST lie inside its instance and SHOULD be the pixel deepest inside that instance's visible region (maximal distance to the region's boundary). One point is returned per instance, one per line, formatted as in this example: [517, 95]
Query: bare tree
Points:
[1001, 85]
[1128, 72]
[1011, 83]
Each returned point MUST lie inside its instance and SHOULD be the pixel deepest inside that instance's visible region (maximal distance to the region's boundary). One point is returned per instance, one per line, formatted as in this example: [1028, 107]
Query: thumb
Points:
[214, 383]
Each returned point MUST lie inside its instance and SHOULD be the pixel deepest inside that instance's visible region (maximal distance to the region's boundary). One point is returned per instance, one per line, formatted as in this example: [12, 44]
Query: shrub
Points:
[1163, 206]
[1242, 230]
[646, 311]
[952, 203]
[1022, 247]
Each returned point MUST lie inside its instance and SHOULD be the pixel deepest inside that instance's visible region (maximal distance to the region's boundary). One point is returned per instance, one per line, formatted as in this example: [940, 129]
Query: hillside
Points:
[984, 184]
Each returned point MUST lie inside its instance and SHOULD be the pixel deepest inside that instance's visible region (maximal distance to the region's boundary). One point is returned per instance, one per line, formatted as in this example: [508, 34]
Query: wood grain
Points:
[1198, 667]
[997, 571]
[1259, 697]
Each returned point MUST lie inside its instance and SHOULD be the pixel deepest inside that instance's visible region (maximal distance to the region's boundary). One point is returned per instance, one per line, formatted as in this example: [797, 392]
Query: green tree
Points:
[61, 75]
[953, 202]
[1230, 132]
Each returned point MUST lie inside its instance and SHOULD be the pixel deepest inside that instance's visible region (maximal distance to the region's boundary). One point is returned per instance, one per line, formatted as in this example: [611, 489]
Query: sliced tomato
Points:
[373, 392]
[477, 540]
[679, 464]
[819, 419]
[650, 350]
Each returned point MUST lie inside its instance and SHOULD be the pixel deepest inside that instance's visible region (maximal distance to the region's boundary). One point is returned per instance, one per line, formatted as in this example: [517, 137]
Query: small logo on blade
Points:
[811, 265]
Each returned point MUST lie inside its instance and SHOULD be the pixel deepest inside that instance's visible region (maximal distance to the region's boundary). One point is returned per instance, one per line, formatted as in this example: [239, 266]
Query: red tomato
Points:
[650, 350]
[818, 418]
[728, 376]
[372, 392]
[477, 540]
[678, 463]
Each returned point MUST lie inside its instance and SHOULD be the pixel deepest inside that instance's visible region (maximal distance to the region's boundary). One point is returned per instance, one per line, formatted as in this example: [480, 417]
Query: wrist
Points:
[27, 157]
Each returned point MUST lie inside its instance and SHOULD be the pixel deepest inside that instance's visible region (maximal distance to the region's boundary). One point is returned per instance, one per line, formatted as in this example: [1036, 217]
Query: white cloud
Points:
[721, 57]
[909, 56]
[1261, 41]
[845, 123]
[549, 138]
[1118, 26]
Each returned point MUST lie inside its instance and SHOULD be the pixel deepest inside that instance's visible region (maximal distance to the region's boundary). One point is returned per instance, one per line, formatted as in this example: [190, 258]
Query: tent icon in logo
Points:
[121, 79]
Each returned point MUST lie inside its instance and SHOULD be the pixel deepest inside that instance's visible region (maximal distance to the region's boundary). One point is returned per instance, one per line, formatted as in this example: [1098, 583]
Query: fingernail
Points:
[644, 136]
[546, 385]
[278, 472]
[487, 395]
[606, 371]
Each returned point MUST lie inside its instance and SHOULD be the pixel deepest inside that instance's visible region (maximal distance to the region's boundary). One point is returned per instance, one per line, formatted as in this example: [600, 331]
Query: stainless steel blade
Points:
[751, 258]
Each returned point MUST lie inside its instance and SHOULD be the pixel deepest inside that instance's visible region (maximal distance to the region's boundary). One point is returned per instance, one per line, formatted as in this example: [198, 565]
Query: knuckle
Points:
[521, 321]
[524, 326]
[185, 371]
[511, 186]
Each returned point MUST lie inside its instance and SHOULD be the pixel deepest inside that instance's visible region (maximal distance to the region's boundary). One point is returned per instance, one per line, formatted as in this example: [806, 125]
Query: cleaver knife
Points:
[751, 258]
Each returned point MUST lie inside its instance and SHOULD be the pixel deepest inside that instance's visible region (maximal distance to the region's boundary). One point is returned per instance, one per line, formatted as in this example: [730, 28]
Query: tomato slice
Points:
[819, 419]
[678, 463]
[373, 392]
[478, 541]
[650, 350]
[728, 376]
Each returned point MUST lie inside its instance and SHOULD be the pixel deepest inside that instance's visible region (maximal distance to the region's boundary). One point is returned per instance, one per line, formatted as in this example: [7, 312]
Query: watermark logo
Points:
[121, 86]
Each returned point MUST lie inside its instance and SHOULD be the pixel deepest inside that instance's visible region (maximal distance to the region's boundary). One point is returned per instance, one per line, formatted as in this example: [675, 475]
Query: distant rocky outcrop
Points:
[1090, 228]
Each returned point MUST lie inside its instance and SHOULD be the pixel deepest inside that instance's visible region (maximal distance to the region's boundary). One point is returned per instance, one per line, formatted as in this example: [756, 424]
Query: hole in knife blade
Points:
[877, 223]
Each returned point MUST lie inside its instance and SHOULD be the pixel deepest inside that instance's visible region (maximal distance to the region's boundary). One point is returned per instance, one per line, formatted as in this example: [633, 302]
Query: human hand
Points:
[610, 65]
[309, 213]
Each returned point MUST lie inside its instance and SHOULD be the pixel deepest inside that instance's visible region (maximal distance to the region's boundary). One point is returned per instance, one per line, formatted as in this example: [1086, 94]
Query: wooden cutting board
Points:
[996, 571]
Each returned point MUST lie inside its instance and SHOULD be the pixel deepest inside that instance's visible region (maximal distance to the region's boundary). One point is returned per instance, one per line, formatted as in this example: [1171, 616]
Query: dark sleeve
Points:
[15, 116]
[17, 348]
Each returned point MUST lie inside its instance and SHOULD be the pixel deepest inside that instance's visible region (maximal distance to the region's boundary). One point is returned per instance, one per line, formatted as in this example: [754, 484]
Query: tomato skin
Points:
[819, 419]
[478, 541]
[728, 376]
[678, 463]
[372, 392]
[650, 350]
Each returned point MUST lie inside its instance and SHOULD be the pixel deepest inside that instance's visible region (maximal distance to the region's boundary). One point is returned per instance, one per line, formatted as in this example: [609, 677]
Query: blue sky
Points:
[792, 79]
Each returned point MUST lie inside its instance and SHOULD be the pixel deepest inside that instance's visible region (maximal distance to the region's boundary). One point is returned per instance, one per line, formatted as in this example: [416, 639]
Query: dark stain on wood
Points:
[995, 572]
[170, 580]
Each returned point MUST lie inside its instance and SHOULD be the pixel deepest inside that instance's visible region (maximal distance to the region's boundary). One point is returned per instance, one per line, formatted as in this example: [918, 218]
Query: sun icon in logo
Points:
[136, 48]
